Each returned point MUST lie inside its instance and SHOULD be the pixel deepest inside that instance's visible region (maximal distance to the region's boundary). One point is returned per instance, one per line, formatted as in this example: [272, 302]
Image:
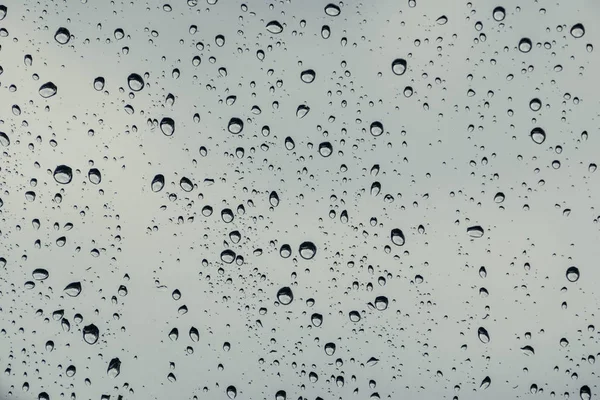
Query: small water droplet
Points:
[325, 32]
[442, 20]
[186, 184]
[289, 143]
[4, 139]
[485, 383]
[274, 199]
[329, 348]
[528, 350]
[316, 319]
[3, 11]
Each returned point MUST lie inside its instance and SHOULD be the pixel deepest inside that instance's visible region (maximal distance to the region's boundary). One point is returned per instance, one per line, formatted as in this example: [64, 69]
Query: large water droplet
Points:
[3, 11]
[73, 289]
[537, 135]
[308, 76]
[381, 303]
[585, 393]
[231, 392]
[577, 31]
[63, 174]
[572, 274]
[135, 82]
[274, 27]
[399, 66]
[307, 250]
[332, 10]
[99, 83]
[289, 143]
[528, 350]
[40, 274]
[483, 335]
[302, 110]
[285, 295]
[325, 149]
[485, 383]
[186, 184]
[167, 126]
[316, 319]
[47, 90]
[90, 334]
[274, 199]
[95, 176]
[235, 125]
[158, 183]
[475, 231]
[281, 395]
[499, 197]
[376, 128]
[499, 14]
[525, 45]
[329, 348]
[194, 334]
[535, 104]
[114, 368]
[62, 35]
[325, 32]
[442, 20]
[397, 237]
[4, 139]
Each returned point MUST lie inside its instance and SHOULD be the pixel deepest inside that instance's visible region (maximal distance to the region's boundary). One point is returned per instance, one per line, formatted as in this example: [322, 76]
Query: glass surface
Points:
[211, 199]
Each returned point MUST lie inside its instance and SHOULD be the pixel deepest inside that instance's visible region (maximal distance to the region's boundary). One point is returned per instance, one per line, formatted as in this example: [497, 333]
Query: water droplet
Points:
[3, 11]
[40, 274]
[186, 184]
[4, 139]
[577, 31]
[325, 32]
[289, 143]
[307, 250]
[475, 231]
[47, 90]
[332, 10]
[114, 368]
[397, 237]
[483, 335]
[235, 125]
[585, 393]
[485, 383]
[194, 334]
[274, 27]
[381, 303]
[302, 110]
[329, 348]
[376, 128]
[325, 149]
[499, 14]
[62, 35]
[285, 251]
[73, 289]
[528, 350]
[285, 295]
[228, 256]
[525, 45]
[99, 83]
[399, 66]
[535, 104]
[308, 76]
[167, 126]
[354, 316]
[135, 82]
[158, 183]
[174, 334]
[442, 20]
[499, 197]
[572, 274]
[63, 174]
[231, 392]
[591, 168]
[94, 176]
[274, 199]
[316, 319]
[280, 395]
[90, 334]
[537, 135]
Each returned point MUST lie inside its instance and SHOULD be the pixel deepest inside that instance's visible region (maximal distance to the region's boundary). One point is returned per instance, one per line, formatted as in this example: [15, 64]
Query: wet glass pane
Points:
[212, 199]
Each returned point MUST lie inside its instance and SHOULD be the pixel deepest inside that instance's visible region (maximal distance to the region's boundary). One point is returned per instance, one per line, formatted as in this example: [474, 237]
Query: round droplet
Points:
[90, 334]
[167, 126]
[307, 250]
[285, 295]
[316, 319]
[354, 316]
[535, 104]
[158, 183]
[285, 251]
[499, 14]
[325, 149]
[585, 393]
[329, 348]
[381, 303]
[194, 334]
[302, 110]
[572, 274]
[62, 36]
[73, 289]
[4, 139]
[135, 82]
[231, 392]
[332, 10]
[483, 335]
[99, 83]
[308, 76]
[40, 274]
[228, 256]
[281, 395]
[325, 32]
[397, 237]
[376, 128]
[525, 45]
[399, 66]
[63, 174]
[235, 125]
[577, 31]
[47, 90]
[186, 184]
[537, 135]
[475, 231]
[499, 197]
[94, 176]
[274, 27]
